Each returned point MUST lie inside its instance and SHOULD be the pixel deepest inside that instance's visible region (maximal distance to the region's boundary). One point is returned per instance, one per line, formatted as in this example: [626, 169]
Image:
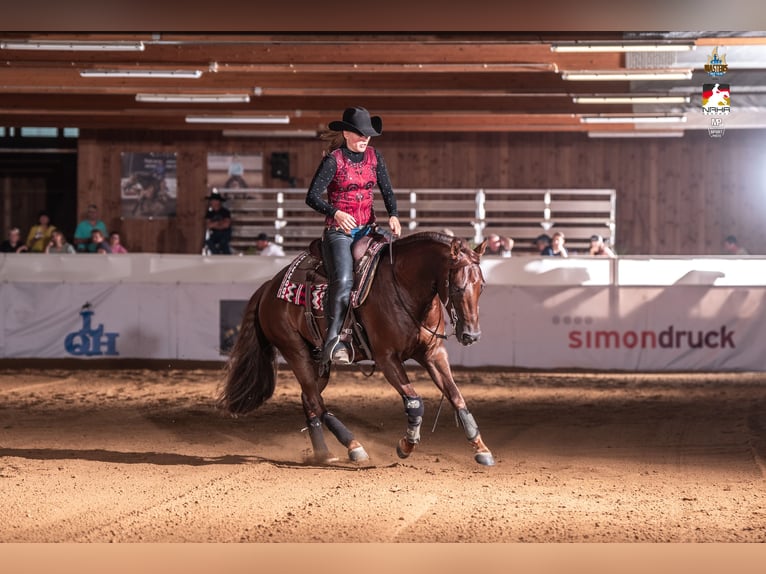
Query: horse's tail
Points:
[251, 371]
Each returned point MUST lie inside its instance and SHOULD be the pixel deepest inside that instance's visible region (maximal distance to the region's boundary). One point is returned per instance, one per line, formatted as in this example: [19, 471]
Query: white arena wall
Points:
[631, 313]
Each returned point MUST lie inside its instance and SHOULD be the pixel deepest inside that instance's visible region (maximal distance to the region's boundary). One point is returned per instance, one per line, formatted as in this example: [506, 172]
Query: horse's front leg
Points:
[437, 365]
[393, 370]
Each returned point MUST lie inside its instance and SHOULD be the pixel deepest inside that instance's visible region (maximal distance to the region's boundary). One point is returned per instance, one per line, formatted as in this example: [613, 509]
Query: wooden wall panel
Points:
[675, 196]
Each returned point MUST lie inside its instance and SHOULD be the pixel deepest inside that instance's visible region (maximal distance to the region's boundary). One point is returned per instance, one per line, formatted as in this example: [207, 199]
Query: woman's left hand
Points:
[396, 227]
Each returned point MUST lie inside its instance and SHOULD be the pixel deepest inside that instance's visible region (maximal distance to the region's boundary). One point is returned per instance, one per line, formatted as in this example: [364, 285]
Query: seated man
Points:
[218, 222]
[497, 245]
[264, 246]
[83, 233]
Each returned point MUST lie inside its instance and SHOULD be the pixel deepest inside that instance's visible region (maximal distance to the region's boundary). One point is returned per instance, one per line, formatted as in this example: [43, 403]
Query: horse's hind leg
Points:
[316, 413]
[437, 365]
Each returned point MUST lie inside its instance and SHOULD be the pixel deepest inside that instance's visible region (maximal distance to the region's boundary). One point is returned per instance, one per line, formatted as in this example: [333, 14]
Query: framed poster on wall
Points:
[148, 185]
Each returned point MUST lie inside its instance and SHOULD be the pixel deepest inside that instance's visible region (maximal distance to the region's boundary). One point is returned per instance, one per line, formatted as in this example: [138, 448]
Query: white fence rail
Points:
[521, 214]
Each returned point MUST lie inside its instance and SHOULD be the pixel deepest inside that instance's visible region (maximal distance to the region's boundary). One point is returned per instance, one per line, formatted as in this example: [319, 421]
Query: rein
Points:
[450, 308]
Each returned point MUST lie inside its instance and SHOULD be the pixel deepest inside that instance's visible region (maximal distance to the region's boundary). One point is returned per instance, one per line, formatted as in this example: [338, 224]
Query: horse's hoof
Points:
[358, 454]
[324, 458]
[484, 458]
[404, 448]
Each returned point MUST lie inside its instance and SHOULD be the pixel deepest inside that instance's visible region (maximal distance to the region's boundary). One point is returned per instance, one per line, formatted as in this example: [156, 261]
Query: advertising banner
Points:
[190, 308]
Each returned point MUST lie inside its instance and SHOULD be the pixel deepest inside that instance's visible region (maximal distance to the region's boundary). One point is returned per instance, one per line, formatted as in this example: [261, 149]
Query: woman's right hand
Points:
[345, 221]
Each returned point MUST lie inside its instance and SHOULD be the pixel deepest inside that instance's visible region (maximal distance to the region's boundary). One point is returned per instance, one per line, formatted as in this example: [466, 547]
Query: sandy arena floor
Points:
[144, 456]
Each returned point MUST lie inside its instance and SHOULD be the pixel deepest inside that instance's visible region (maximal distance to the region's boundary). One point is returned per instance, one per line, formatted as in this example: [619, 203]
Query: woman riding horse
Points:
[402, 318]
[348, 172]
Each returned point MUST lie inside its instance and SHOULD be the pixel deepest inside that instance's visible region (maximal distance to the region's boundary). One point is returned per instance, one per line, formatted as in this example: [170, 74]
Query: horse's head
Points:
[465, 282]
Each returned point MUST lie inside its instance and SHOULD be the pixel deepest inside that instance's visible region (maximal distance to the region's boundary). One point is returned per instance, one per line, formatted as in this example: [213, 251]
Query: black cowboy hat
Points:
[216, 195]
[358, 120]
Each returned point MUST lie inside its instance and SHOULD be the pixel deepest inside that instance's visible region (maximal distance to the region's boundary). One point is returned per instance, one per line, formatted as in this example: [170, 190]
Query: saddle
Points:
[305, 284]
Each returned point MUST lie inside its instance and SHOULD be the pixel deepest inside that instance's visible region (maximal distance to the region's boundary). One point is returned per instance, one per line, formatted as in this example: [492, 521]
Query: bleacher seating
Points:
[521, 214]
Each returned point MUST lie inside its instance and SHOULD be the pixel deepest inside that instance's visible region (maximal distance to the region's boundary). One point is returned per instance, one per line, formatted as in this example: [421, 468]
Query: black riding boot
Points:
[334, 349]
[339, 263]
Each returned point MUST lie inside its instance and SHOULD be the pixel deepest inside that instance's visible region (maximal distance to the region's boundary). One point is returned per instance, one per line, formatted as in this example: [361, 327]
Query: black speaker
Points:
[280, 165]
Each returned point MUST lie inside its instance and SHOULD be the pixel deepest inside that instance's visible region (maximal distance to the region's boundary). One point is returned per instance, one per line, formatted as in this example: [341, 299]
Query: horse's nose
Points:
[470, 338]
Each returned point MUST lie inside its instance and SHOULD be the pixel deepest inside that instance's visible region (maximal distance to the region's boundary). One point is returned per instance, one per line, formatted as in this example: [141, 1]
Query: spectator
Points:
[498, 245]
[543, 244]
[39, 236]
[83, 235]
[114, 243]
[13, 244]
[98, 243]
[59, 244]
[218, 222]
[599, 248]
[557, 245]
[265, 247]
[732, 246]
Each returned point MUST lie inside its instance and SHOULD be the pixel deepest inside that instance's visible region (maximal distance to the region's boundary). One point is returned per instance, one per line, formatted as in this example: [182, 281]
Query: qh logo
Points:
[716, 99]
[716, 66]
[90, 342]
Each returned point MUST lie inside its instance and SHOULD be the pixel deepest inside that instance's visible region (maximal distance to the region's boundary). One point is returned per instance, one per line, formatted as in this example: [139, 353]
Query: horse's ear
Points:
[456, 247]
[481, 247]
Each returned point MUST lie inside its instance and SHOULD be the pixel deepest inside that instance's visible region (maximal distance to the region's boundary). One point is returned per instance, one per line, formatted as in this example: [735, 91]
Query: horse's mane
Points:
[437, 237]
[425, 236]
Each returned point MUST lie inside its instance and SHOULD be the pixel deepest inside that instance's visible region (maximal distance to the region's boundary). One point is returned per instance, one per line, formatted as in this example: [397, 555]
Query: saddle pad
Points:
[296, 293]
[293, 286]
[304, 270]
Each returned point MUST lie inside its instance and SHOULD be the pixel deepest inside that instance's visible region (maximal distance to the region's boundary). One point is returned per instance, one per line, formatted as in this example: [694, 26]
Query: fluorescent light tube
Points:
[620, 47]
[269, 133]
[194, 98]
[631, 99]
[72, 46]
[628, 75]
[128, 73]
[632, 119]
[237, 119]
[638, 134]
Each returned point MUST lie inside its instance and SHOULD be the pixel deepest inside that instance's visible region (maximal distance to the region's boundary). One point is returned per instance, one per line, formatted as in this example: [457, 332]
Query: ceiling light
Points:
[269, 133]
[638, 134]
[632, 119]
[78, 46]
[628, 75]
[194, 98]
[621, 47]
[631, 99]
[237, 119]
[141, 73]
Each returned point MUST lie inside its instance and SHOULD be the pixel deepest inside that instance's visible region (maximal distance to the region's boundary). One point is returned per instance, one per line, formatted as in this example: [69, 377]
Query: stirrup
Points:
[336, 352]
[340, 355]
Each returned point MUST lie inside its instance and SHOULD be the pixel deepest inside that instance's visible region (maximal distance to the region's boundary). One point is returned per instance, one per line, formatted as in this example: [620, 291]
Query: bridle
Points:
[446, 301]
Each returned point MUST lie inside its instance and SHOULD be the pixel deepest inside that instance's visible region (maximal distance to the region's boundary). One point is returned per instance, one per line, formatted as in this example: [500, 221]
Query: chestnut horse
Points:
[403, 319]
